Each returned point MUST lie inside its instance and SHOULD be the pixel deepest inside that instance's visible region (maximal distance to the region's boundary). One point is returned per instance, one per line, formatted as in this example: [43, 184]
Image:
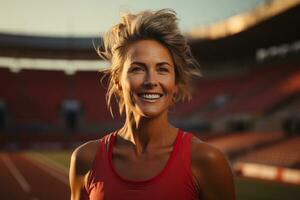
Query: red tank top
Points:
[173, 182]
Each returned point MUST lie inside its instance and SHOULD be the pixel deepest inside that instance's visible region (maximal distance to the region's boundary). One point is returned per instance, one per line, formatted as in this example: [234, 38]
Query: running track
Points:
[25, 178]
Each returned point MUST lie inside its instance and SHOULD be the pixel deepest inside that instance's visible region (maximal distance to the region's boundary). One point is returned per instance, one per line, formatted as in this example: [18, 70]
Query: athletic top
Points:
[173, 182]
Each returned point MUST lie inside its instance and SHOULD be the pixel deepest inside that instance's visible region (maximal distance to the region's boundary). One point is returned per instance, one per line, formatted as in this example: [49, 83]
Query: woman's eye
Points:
[136, 69]
[163, 69]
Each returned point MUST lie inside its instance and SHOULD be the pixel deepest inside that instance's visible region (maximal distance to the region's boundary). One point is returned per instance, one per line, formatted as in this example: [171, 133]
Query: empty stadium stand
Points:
[282, 154]
[242, 142]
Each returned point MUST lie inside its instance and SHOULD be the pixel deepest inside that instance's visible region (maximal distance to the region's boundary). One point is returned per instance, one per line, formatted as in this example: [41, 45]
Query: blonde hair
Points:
[158, 25]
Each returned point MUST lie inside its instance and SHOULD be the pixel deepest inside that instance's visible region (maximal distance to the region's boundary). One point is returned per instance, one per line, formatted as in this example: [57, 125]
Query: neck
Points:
[145, 133]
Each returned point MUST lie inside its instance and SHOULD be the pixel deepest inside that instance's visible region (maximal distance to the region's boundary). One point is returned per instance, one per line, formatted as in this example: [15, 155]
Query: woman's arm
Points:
[76, 176]
[212, 173]
[80, 165]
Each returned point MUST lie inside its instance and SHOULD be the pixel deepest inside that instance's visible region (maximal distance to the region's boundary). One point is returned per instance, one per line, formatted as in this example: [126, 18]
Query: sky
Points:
[87, 18]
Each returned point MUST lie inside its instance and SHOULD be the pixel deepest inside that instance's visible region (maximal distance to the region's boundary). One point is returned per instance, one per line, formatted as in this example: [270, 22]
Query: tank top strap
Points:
[100, 157]
[185, 150]
[103, 146]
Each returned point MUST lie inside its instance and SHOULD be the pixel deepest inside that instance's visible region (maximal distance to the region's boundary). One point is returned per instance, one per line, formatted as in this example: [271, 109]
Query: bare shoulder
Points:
[80, 165]
[84, 155]
[205, 155]
[211, 170]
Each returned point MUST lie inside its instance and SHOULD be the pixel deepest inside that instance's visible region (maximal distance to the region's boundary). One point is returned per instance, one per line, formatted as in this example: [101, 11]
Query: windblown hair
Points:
[158, 25]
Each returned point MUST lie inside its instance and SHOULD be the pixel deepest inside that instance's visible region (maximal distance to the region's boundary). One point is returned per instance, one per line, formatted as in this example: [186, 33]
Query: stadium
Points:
[247, 103]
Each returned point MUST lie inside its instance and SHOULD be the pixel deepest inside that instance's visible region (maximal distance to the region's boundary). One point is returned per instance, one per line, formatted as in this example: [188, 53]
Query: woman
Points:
[148, 158]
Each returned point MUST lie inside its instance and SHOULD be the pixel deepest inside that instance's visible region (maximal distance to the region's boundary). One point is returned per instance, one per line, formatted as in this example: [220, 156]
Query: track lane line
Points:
[60, 175]
[40, 180]
[38, 157]
[16, 173]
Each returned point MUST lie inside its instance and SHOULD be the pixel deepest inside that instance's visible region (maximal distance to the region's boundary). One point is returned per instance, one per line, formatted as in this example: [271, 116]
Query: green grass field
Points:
[251, 189]
[60, 157]
[246, 189]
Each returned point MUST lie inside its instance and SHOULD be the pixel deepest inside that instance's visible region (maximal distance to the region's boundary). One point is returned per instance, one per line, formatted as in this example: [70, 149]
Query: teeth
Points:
[150, 96]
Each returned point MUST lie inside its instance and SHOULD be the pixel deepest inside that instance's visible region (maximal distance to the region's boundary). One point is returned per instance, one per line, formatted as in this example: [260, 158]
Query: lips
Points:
[150, 96]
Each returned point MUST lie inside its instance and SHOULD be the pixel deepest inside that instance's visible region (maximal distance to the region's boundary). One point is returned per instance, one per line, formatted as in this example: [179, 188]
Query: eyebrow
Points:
[143, 64]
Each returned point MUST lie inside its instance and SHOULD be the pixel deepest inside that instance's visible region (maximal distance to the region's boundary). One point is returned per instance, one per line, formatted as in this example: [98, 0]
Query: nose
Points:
[151, 79]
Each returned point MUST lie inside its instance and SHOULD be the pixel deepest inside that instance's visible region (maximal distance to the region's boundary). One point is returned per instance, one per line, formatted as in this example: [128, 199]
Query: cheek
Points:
[134, 83]
[169, 85]
[131, 85]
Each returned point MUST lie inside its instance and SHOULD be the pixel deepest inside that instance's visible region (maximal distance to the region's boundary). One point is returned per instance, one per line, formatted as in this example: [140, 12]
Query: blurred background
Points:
[247, 103]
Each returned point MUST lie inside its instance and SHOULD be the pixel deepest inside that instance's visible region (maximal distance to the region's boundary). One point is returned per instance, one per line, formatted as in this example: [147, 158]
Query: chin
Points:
[149, 113]
[150, 110]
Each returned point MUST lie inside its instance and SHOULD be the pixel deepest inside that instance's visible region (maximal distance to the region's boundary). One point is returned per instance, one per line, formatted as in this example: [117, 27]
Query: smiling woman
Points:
[149, 158]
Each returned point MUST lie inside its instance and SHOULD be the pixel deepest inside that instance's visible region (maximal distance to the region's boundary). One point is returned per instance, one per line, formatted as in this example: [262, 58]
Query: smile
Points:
[150, 96]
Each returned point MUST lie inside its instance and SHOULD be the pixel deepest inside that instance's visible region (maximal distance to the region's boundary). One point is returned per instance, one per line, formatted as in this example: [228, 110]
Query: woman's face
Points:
[148, 79]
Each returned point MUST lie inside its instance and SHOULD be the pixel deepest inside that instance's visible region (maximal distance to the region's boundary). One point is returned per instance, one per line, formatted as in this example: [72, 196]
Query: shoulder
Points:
[80, 165]
[211, 170]
[83, 156]
[204, 154]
